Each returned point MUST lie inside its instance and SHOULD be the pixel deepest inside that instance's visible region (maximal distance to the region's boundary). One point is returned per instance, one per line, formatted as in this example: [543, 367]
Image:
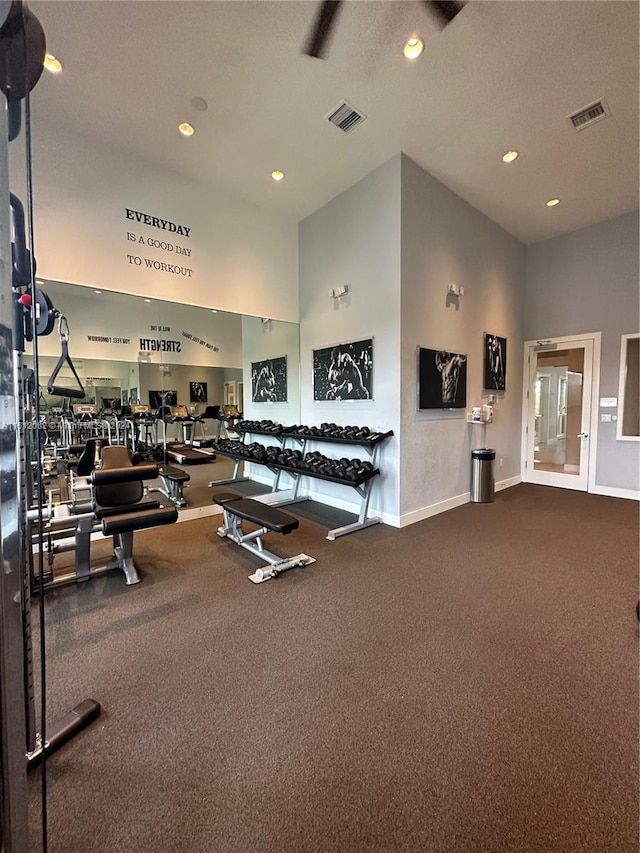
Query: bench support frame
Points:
[231, 528]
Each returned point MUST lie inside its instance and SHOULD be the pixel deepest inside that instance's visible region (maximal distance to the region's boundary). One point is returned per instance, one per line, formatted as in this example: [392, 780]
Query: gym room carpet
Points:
[463, 685]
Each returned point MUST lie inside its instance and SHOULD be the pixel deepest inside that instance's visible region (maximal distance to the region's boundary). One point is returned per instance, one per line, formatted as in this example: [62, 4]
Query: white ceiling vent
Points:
[589, 114]
[345, 116]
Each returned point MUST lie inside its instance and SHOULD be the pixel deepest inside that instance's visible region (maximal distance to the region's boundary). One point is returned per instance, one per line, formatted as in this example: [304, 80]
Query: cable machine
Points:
[25, 313]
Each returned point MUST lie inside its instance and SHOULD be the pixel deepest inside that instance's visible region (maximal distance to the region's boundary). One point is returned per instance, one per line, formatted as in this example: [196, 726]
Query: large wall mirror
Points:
[628, 393]
[132, 351]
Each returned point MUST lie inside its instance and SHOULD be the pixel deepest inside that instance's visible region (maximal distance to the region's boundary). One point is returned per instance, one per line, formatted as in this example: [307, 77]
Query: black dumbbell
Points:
[294, 458]
[315, 460]
[338, 468]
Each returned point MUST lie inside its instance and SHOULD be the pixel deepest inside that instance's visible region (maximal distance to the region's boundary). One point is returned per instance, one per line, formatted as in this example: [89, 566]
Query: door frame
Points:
[596, 338]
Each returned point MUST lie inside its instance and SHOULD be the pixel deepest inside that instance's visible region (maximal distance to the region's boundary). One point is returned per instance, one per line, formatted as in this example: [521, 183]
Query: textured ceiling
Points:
[503, 75]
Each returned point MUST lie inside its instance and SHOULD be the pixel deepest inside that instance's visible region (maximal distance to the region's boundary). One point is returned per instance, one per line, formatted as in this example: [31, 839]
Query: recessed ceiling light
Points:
[214, 310]
[277, 175]
[510, 156]
[186, 129]
[552, 202]
[52, 64]
[97, 291]
[199, 104]
[413, 47]
[147, 300]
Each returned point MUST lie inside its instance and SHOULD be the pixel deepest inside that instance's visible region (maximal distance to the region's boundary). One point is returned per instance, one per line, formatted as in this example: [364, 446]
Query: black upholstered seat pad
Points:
[263, 515]
[175, 474]
[139, 520]
[108, 512]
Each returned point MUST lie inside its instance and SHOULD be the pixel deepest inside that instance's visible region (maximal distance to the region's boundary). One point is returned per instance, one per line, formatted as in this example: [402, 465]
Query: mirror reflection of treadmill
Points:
[184, 452]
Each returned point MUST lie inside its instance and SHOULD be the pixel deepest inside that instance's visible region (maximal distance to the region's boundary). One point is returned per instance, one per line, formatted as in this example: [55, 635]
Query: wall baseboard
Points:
[388, 518]
[444, 506]
[506, 484]
[614, 492]
[433, 509]
[338, 503]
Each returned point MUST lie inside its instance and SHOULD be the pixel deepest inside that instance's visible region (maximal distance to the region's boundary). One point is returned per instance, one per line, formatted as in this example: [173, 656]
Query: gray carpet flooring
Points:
[466, 684]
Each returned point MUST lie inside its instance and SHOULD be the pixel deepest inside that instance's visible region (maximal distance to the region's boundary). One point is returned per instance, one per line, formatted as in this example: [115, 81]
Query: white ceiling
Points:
[502, 75]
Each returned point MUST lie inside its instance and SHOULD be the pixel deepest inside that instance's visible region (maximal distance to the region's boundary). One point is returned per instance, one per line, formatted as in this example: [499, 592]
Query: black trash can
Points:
[482, 482]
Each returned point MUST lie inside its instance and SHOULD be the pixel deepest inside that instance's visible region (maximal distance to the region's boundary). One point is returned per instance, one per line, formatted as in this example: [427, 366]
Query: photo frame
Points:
[442, 379]
[197, 392]
[269, 380]
[343, 371]
[495, 363]
[162, 398]
[230, 394]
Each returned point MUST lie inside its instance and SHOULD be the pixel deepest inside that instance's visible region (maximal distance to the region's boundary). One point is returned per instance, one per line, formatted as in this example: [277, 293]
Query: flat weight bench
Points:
[270, 520]
[173, 483]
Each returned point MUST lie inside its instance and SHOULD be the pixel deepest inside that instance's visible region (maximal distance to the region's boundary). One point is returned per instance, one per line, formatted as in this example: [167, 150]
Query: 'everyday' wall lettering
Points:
[156, 222]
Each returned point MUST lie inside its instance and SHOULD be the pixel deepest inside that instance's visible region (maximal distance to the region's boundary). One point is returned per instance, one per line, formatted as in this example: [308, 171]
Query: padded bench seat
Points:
[128, 521]
[107, 512]
[259, 513]
[173, 473]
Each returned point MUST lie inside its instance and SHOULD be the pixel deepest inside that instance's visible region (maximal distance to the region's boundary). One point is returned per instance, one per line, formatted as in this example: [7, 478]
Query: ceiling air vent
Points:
[345, 116]
[590, 114]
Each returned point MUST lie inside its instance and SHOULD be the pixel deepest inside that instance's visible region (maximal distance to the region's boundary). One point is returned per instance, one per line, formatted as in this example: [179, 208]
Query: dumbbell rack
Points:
[362, 485]
[238, 459]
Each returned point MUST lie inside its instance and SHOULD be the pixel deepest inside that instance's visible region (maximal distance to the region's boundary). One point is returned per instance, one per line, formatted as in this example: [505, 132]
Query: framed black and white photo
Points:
[442, 379]
[344, 371]
[495, 363]
[269, 380]
[197, 392]
[163, 398]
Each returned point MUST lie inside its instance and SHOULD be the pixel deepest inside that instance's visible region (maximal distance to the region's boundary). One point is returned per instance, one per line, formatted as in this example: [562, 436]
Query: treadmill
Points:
[183, 452]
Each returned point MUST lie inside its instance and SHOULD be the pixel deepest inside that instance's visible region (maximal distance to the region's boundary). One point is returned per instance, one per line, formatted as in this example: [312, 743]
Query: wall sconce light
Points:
[455, 289]
[336, 292]
[266, 320]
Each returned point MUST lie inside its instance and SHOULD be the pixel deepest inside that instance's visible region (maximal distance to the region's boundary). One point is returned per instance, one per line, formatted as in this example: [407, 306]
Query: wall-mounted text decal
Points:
[167, 246]
[156, 222]
[159, 345]
[159, 265]
[202, 343]
[107, 339]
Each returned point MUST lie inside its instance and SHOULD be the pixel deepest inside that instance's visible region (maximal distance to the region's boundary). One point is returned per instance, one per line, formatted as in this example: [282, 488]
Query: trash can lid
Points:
[483, 453]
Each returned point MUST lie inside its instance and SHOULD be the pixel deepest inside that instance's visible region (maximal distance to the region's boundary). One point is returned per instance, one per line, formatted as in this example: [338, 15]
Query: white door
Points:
[558, 387]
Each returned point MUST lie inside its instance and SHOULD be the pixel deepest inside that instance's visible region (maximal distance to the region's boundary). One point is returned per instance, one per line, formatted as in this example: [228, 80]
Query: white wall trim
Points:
[615, 492]
[433, 509]
[622, 377]
[506, 484]
[348, 506]
[338, 503]
[198, 512]
[595, 412]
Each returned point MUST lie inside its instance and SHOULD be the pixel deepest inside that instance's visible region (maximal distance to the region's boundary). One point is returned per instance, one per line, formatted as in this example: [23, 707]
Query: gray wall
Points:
[355, 240]
[444, 240]
[587, 281]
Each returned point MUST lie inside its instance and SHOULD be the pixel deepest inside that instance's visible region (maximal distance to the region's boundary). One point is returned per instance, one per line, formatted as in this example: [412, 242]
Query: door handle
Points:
[582, 435]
